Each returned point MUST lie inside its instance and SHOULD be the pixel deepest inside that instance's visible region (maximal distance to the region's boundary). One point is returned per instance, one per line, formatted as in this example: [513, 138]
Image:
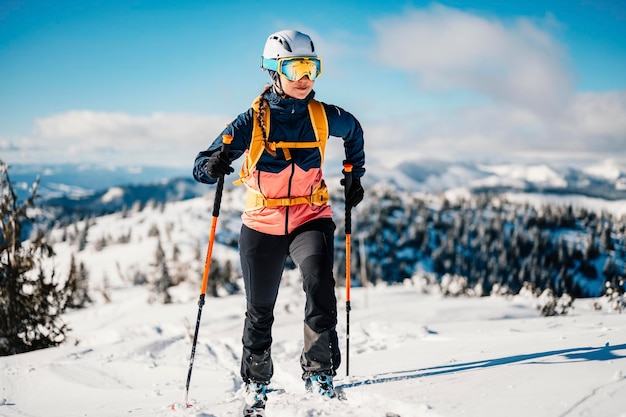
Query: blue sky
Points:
[153, 82]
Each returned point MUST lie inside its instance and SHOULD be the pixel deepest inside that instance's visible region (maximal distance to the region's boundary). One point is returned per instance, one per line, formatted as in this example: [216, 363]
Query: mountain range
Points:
[100, 189]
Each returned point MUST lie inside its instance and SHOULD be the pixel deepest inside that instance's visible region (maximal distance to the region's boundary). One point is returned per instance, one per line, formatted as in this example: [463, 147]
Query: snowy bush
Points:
[550, 305]
[454, 285]
[614, 297]
[425, 281]
[502, 290]
[529, 290]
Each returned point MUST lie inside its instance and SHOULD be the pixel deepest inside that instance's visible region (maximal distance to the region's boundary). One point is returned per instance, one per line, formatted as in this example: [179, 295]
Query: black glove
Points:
[218, 165]
[355, 193]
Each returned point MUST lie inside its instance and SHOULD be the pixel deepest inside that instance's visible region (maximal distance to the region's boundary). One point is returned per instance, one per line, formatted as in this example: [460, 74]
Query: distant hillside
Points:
[122, 197]
[485, 242]
[79, 181]
[73, 190]
[606, 180]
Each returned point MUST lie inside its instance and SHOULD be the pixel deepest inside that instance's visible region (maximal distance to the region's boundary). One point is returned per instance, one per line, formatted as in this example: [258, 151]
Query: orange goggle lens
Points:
[294, 68]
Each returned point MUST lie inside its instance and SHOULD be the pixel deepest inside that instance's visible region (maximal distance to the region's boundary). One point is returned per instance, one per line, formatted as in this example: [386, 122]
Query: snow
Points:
[75, 192]
[607, 169]
[617, 207]
[112, 194]
[538, 174]
[412, 353]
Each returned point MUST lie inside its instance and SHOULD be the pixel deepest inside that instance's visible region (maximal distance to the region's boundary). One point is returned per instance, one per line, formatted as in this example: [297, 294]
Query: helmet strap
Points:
[278, 87]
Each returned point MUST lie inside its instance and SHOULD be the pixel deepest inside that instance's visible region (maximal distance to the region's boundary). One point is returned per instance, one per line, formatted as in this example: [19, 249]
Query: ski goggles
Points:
[294, 68]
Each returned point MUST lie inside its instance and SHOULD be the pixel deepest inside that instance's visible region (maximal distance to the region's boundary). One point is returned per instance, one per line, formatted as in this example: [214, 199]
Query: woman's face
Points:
[297, 89]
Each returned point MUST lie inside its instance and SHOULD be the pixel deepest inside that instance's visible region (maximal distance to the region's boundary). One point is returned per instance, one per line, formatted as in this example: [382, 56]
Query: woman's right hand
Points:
[218, 165]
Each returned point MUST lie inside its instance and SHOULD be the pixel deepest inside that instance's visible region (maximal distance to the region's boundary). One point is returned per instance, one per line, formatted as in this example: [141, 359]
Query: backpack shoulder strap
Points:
[320, 125]
[257, 141]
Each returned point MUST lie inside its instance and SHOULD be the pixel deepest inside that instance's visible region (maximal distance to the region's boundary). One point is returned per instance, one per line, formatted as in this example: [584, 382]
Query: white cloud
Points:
[601, 116]
[591, 126]
[517, 69]
[518, 62]
[82, 135]
[521, 75]
[6, 144]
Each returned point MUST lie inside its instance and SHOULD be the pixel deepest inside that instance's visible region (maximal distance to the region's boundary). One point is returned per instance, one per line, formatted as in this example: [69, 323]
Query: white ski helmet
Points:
[288, 43]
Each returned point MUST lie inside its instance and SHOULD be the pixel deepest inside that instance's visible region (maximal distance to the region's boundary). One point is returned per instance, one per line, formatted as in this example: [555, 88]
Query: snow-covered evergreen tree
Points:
[77, 285]
[31, 302]
[162, 279]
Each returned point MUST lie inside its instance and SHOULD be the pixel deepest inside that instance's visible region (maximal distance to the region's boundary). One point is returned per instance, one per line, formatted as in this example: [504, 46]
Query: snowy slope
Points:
[607, 169]
[412, 354]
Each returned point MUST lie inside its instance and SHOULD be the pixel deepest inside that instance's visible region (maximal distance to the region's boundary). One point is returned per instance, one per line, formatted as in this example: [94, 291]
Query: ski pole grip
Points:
[347, 182]
[226, 141]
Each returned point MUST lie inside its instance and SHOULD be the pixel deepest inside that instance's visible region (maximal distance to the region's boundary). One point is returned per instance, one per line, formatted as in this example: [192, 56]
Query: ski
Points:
[253, 412]
[340, 394]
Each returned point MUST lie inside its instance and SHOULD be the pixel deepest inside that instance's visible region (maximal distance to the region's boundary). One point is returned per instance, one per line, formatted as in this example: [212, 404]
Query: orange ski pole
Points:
[226, 141]
[347, 170]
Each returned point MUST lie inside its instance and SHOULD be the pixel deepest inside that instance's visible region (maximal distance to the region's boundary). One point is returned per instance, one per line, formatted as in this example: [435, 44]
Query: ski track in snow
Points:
[411, 355]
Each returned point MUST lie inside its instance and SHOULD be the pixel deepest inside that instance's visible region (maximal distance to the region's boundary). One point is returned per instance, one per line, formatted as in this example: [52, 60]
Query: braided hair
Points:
[263, 108]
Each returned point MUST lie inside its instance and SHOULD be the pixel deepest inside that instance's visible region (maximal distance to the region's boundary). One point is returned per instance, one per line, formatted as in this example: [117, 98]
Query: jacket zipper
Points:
[293, 171]
[258, 181]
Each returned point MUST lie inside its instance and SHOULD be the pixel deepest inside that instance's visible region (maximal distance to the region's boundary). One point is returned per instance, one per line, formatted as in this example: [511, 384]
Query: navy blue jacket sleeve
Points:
[241, 131]
[344, 125]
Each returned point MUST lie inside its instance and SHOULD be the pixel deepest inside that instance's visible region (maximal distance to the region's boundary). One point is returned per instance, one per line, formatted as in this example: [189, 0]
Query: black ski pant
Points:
[263, 259]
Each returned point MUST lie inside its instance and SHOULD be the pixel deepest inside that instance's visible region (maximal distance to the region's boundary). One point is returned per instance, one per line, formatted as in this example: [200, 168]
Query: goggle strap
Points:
[269, 64]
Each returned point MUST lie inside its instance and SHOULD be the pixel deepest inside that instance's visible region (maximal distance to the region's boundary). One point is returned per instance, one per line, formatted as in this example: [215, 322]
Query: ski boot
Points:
[254, 400]
[321, 384]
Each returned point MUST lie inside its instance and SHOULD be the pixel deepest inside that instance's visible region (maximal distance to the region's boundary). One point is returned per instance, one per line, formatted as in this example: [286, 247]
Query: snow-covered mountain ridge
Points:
[405, 222]
[86, 188]
[398, 234]
[605, 180]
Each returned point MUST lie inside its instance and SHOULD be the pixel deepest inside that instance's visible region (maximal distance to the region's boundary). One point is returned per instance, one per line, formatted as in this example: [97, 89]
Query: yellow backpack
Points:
[259, 144]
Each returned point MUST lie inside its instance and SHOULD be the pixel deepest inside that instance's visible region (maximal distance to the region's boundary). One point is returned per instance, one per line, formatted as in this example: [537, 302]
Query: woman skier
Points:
[287, 213]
